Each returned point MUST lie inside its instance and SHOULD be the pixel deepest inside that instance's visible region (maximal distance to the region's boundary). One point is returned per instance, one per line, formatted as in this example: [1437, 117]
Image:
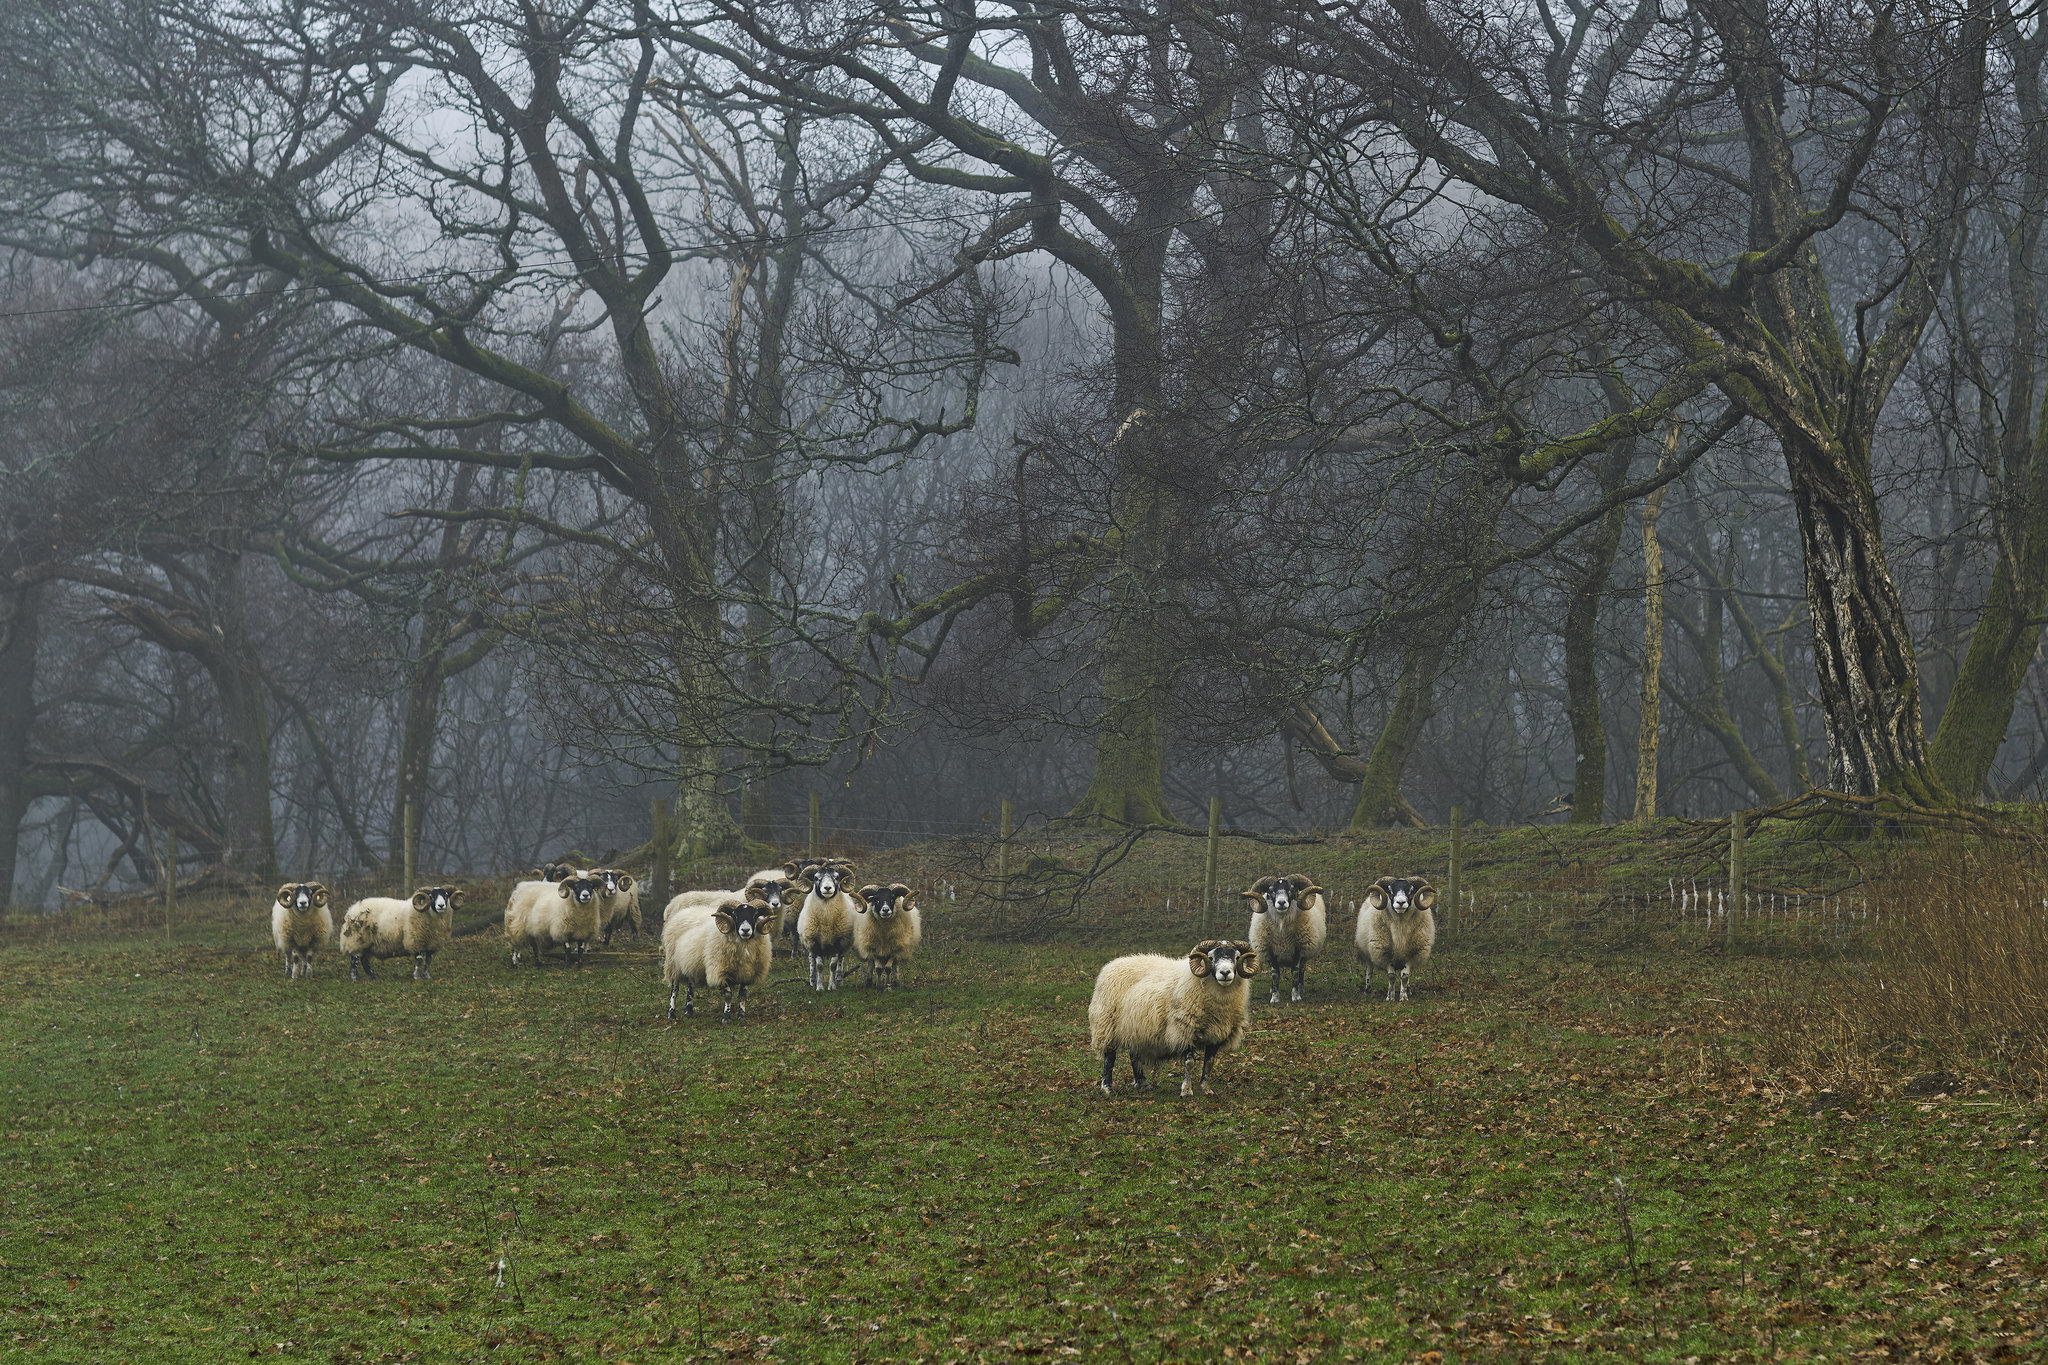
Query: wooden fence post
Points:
[657, 874]
[812, 850]
[412, 851]
[170, 879]
[1457, 860]
[1736, 843]
[1003, 851]
[1209, 872]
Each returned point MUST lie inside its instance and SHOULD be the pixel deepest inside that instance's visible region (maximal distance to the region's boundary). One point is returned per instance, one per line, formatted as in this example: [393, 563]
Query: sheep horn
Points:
[722, 917]
[1198, 962]
[1425, 896]
[1258, 901]
[899, 888]
[419, 900]
[1247, 962]
[319, 895]
[284, 894]
[625, 881]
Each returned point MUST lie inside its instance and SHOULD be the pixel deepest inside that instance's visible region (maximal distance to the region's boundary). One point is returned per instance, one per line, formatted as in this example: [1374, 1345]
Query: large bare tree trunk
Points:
[19, 637]
[237, 672]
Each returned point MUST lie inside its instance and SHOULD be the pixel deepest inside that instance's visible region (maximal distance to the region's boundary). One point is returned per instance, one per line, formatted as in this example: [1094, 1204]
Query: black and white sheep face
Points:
[1223, 960]
[616, 883]
[885, 902]
[744, 920]
[1401, 895]
[581, 888]
[825, 881]
[436, 900]
[301, 896]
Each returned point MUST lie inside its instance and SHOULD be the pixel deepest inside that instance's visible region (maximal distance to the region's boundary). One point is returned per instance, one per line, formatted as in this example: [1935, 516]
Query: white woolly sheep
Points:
[618, 902]
[1396, 930]
[300, 922]
[544, 915]
[825, 924]
[1290, 924]
[887, 933]
[384, 926]
[728, 947]
[1161, 1008]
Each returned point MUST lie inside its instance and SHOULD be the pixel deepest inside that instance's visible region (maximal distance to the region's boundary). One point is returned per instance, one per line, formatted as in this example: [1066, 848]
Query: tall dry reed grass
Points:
[1955, 982]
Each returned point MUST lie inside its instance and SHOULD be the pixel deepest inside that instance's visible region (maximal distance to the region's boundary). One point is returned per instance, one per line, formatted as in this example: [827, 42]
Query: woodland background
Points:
[1559, 411]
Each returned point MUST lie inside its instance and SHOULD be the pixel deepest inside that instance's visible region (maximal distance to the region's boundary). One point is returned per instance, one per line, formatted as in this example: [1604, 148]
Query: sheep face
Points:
[301, 896]
[579, 887]
[827, 877]
[436, 900]
[616, 883]
[1223, 960]
[744, 920]
[884, 902]
[1400, 896]
[1280, 895]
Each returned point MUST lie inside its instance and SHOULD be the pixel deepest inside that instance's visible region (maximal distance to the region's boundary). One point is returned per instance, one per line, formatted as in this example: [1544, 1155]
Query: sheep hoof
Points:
[1186, 1090]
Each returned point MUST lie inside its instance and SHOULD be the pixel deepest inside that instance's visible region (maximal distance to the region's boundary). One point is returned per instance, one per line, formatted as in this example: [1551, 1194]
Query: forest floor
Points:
[1553, 1151]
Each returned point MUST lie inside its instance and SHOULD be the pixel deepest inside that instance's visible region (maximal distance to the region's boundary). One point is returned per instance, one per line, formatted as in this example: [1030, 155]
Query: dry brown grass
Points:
[1954, 989]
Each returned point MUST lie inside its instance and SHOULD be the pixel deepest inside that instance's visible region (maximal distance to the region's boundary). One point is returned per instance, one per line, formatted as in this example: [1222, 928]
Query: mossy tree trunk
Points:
[20, 636]
[1979, 707]
[1653, 662]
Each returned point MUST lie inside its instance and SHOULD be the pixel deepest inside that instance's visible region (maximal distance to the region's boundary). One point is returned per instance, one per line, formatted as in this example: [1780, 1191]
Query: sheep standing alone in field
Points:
[383, 926]
[300, 922]
[825, 924]
[1159, 1008]
[1290, 924]
[887, 933]
[728, 947]
[544, 915]
[618, 901]
[1396, 930]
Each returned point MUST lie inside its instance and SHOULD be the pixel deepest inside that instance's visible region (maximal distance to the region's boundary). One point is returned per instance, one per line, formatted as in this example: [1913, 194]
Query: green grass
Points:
[204, 1161]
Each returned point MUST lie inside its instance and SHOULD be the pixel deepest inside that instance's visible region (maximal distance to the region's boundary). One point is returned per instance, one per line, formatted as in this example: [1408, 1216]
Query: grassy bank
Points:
[1552, 1152]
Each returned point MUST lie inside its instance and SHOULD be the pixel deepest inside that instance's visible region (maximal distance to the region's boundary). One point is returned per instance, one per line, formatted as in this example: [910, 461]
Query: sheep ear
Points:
[320, 895]
[284, 894]
[1198, 963]
[419, 900]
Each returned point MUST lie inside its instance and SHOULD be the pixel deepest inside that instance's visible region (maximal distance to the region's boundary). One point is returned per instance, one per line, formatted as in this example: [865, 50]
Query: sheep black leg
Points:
[1300, 976]
[1108, 1070]
[725, 1016]
[1138, 1074]
[671, 1001]
[689, 997]
[743, 1004]
[352, 968]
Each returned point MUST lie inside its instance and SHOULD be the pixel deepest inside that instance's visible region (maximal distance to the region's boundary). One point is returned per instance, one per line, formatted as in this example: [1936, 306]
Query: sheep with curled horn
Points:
[378, 927]
[300, 923]
[887, 932]
[825, 924]
[1290, 924]
[1396, 930]
[1160, 1008]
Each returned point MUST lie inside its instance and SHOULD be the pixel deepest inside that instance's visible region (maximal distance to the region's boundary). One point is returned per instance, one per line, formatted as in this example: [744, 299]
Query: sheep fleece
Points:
[383, 926]
[1154, 1009]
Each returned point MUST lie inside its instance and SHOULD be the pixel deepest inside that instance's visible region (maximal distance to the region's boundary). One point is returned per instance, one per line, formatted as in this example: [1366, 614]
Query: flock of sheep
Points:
[1152, 1008]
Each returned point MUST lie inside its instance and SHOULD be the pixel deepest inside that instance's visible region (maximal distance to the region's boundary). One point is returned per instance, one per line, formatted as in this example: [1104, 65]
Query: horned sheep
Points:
[825, 924]
[300, 923]
[729, 948]
[384, 926]
[618, 902]
[543, 915]
[1160, 1008]
[1396, 930]
[886, 932]
[1290, 924]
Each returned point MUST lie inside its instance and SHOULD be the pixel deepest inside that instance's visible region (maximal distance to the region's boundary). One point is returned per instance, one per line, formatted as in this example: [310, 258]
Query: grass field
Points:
[1553, 1152]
